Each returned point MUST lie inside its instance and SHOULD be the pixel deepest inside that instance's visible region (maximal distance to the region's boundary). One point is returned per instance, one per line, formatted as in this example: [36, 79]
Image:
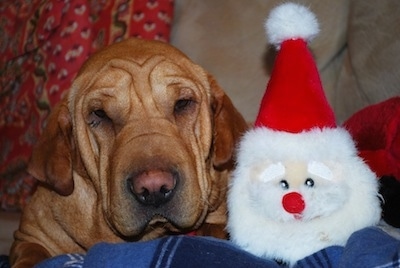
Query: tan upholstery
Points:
[357, 50]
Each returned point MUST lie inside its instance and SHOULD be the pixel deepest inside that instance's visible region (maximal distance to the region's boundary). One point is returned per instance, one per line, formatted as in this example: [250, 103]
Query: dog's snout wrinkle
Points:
[160, 130]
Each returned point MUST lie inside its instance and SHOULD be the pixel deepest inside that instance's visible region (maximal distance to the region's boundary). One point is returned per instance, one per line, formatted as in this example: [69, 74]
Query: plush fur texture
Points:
[289, 21]
[294, 74]
[340, 198]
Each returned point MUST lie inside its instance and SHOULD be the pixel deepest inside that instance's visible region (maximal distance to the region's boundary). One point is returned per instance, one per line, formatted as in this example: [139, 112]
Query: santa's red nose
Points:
[293, 203]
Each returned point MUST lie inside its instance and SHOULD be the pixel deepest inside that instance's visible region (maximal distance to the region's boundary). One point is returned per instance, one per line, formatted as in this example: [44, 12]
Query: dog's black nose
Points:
[153, 187]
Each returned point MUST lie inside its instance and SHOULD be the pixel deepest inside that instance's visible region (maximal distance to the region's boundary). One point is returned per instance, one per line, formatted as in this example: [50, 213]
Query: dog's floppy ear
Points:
[229, 125]
[51, 160]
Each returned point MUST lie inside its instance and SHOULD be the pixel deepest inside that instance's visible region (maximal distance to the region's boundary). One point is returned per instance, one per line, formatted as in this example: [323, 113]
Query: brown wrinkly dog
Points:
[141, 147]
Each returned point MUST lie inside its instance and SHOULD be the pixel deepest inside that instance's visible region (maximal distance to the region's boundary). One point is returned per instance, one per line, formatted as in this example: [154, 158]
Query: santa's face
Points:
[296, 191]
[294, 194]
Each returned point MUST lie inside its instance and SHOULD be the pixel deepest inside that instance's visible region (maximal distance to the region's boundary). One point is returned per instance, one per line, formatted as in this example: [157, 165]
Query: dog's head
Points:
[151, 130]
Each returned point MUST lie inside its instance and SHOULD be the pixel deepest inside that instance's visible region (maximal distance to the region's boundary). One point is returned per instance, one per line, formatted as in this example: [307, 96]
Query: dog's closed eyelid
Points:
[96, 117]
[182, 105]
[100, 113]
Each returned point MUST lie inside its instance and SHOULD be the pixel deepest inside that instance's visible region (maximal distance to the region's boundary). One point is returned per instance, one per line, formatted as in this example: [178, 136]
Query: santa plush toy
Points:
[299, 185]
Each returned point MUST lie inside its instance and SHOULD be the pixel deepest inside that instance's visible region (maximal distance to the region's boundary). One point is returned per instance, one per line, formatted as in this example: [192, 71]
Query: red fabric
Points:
[376, 131]
[43, 44]
[193, 233]
[294, 100]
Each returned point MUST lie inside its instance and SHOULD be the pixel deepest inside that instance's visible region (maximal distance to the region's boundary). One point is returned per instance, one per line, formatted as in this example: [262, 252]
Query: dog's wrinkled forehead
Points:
[134, 57]
[136, 50]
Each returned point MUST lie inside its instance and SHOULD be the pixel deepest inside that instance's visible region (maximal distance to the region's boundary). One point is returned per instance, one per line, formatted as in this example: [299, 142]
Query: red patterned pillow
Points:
[42, 45]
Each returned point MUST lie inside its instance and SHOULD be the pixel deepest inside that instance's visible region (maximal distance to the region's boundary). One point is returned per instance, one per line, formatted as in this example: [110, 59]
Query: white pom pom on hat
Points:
[291, 21]
[294, 100]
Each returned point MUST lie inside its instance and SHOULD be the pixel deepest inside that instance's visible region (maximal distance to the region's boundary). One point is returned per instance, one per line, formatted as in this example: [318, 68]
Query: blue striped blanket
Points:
[370, 247]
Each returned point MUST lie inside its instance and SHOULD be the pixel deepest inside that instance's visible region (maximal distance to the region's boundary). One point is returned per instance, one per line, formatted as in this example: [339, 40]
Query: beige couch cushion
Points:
[371, 70]
[227, 37]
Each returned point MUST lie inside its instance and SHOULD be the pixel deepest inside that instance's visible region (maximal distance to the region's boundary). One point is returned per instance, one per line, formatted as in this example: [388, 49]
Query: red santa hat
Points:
[294, 100]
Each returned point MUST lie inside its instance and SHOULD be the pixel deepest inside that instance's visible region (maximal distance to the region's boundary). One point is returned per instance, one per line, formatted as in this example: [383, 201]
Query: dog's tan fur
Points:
[162, 113]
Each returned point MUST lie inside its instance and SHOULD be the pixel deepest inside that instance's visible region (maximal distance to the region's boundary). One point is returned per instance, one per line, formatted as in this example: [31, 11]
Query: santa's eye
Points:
[284, 184]
[309, 182]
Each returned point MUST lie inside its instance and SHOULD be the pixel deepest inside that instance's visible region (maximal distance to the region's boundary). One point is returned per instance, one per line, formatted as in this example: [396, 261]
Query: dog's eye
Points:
[309, 182]
[182, 105]
[97, 116]
[284, 184]
[100, 113]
